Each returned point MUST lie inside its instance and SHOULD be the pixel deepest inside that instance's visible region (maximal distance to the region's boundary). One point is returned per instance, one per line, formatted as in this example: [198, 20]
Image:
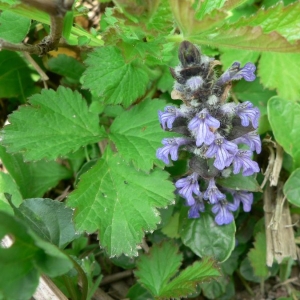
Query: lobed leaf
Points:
[55, 123]
[121, 202]
[284, 118]
[206, 238]
[110, 77]
[137, 134]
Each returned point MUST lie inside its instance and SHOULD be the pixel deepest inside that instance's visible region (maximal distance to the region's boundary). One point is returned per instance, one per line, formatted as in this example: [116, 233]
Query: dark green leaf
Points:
[206, 238]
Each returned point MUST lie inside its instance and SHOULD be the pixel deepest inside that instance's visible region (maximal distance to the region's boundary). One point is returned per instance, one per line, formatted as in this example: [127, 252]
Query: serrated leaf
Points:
[137, 134]
[291, 188]
[254, 92]
[156, 269]
[258, 255]
[66, 66]
[280, 71]
[15, 75]
[7, 185]
[119, 201]
[51, 220]
[206, 6]
[240, 182]
[28, 256]
[283, 19]
[206, 238]
[13, 27]
[33, 178]
[248, 38]
[111, 77]
[54, 124]
[284, 118]
[186, 282]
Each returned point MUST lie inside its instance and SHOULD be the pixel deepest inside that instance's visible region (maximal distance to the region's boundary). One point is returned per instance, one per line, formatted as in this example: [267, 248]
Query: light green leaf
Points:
[240, 182]
[66, 66]
[7, 185]
[186, 282]
[280, 71]
[247, 38]
[156, 269]
[111, 77]
[15, 76]
[162, 263]
[254, 92]
[284, 118]
[13, 28]
[206, 6]
[33, 178]
[229, 56]
[291, 188]
[54, 124]
[28, 256]
[119, 201]
[51, 220]
[258, 255]
[206, 238]
[137, 134]
[171, 229]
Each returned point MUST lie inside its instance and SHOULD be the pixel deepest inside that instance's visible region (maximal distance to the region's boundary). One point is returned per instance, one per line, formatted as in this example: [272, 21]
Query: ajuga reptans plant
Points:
[212, 131]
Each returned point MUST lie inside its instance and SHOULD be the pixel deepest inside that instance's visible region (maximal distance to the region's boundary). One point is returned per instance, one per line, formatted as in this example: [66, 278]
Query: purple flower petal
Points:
[201, 126]
[171, 147]
[194, 82]
[223, 211]
[212, 193]
[248, 113]
[244, 197]
[251, 139]
[168, 116]
[194, 211]
[242, 160]
[187, 186]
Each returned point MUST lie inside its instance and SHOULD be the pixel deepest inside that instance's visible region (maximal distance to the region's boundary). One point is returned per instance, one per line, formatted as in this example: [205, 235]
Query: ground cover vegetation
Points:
[149, 149]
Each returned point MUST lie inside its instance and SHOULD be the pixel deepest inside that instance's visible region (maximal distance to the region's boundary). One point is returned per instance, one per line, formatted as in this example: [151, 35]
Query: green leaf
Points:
[247, 38]
[7, 185]
[54, 124]
[137, 134]
[284, 118]
[291, 188]
[111, 77]
[186, 282]
[255, 92]
[206, 238]
[214, 289]
[13, 28]
[110, 194]
[66, 66]
[171, 229]
[28, 256]
[15, 75]
[240, 182]
[33, 178]
[247, 271]
[258, 255]
[207, 6]
[280, 71]
[50, 220]
[282, 19]
[137, 292]
[157, 268]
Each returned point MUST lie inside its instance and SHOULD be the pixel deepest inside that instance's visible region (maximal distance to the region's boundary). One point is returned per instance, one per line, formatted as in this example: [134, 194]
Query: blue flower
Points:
[212, 193]
[194, 82]
[237, 73]
[187, 186]
[201, 126]
[242, 159]
[248, 113]
[251, 139]
[223, 151]
[168, 116]
[196, 208]
[223, 211]
[171, 147]
[244, 197]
